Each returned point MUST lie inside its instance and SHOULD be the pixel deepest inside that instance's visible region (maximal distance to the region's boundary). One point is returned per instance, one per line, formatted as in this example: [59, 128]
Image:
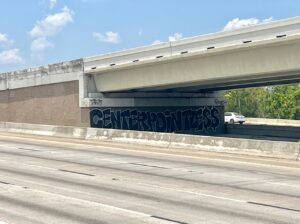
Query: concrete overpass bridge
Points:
[259, 55]
[172, 87]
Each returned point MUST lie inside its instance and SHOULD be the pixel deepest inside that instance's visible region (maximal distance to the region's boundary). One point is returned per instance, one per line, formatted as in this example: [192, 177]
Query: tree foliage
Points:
[281, 102]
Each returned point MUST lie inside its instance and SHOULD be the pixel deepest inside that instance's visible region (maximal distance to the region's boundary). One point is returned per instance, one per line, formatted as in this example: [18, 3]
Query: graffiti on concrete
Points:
[221, 102]
[199, 119]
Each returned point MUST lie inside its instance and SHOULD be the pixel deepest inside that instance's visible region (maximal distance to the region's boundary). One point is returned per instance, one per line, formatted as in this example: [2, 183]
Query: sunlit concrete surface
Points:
[258, 55]
[55, 180]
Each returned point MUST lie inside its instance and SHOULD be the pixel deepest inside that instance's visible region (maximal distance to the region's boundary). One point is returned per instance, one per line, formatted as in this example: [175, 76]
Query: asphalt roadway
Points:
[55, 180]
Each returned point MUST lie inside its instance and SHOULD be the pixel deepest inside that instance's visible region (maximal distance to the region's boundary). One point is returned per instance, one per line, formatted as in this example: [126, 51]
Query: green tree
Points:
[249, 102]
[282, 102]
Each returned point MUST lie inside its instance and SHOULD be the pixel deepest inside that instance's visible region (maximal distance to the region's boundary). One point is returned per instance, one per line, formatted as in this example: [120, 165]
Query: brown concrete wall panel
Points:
[54, 104]
[4, 105]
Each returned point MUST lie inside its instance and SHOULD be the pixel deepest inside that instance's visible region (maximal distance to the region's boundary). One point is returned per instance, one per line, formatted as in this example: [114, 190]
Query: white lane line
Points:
[192, 192]
[284, 184]
[9, 147]
[176, 169]
[26, 164]
[106, 207]
[200, 157]
[213, 196]
[37, 166]
[113, 160]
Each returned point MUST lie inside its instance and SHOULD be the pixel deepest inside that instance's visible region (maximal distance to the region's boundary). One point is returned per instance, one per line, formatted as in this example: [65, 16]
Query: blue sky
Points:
[37, 32]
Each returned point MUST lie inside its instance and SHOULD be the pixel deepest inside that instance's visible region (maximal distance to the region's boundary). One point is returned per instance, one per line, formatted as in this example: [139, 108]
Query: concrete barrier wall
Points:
[264, 130]
[279, 122]
[43, 75]
[277, 149]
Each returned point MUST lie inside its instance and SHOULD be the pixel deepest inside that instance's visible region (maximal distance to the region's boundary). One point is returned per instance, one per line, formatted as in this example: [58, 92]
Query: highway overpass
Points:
[168, 87]
[259, 55]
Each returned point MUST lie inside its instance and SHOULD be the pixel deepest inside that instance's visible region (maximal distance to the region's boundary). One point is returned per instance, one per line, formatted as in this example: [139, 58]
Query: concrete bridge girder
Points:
[276, 60]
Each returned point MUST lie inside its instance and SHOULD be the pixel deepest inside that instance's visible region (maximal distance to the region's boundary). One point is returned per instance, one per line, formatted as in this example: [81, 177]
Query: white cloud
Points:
[156, 42]
[176, 36]
[270, 19]
[108, 37]
[52, 24]
[9, 56]
[12, 56]
[52, 4]
[40, 44]
[241, 23]
[4, 40]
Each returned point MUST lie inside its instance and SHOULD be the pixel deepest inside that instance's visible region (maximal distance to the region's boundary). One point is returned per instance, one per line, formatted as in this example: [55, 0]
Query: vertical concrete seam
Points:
[298, 150]
[171, 48]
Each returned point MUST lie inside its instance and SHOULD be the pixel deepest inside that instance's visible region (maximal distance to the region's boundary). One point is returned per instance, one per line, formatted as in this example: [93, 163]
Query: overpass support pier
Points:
[197, 113]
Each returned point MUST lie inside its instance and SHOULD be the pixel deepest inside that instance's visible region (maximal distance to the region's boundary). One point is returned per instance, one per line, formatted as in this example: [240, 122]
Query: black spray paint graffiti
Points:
[200, 119]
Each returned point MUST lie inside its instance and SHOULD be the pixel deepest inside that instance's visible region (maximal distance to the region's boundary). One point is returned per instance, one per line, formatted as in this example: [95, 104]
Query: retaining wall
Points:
[55, 104]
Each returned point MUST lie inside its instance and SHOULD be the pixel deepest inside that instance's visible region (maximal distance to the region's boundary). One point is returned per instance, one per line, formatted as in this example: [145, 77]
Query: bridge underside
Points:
[255, 64]
[227, 84]
[178, 93]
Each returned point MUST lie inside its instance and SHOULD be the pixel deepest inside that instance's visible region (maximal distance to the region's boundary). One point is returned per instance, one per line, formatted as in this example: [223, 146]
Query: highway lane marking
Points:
[109, 208]
[141, 164]
[166, 188]
[283, 184]
[26, 164]
[189, 192]
[192, 192]
[189, 171]
[70, 171]
[9, 147]
[26, 149]
[87, 174]
[166, 219]
[113, 160]
[220, 197]
[273, 206]
[200, 157]
[122, 162]
[177, 169]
